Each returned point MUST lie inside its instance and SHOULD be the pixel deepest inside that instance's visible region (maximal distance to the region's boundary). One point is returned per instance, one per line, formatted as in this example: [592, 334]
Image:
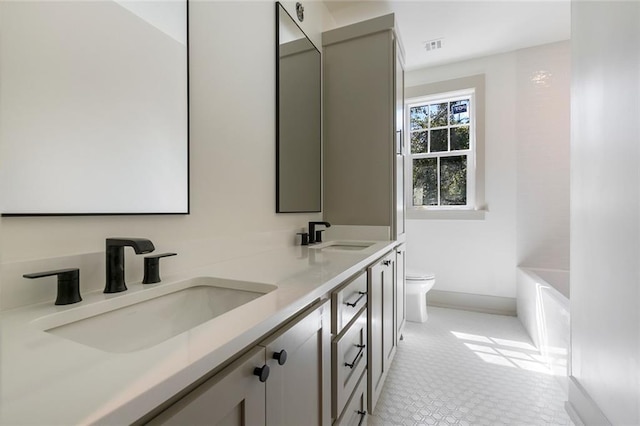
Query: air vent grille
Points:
[433, 44]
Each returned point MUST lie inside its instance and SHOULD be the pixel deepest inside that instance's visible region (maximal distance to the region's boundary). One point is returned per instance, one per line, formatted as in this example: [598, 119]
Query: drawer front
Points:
[349, 356]
[355, 412]
[348, 301]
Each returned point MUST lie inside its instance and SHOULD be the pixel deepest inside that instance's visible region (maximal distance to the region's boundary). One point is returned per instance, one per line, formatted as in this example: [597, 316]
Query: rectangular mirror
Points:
[94, 107]
[298, 119]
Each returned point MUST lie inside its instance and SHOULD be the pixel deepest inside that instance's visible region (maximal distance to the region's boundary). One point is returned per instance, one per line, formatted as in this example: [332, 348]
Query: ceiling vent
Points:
[433, 44]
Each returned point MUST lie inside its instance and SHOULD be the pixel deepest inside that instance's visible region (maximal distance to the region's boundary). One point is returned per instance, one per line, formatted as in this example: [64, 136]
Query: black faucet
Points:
[115, 260]
[316, 236]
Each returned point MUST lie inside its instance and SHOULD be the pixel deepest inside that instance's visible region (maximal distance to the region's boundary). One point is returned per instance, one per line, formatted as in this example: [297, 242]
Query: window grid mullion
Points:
[448, 127]
[438, 186]
[441, 154]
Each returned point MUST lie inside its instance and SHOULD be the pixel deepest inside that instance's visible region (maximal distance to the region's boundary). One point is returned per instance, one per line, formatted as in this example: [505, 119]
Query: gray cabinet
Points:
[349, 361]
[401, 145]
[299, 387]
[326, 364]
[355, 412]
[363, 116]
[401, 289]
[349, 349]
[296, 391]
[382, 324]
[348, 300]
[234, 396]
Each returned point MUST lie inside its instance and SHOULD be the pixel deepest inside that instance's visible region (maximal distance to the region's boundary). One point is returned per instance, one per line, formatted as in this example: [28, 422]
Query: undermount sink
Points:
[145, 323]
[343, 245]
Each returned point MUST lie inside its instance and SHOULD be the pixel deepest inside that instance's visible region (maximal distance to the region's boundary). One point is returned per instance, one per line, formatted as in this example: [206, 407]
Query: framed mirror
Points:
[298, 119]
[94, 107]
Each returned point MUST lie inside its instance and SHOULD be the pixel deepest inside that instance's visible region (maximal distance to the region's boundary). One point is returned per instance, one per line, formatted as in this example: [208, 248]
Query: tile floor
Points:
[467, 368]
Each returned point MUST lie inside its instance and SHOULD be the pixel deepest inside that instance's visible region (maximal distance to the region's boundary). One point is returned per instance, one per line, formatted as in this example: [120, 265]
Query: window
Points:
[442, 151]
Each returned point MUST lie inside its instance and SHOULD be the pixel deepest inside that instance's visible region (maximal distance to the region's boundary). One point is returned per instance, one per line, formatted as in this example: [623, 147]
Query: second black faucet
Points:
[115, 260]
[316, 236]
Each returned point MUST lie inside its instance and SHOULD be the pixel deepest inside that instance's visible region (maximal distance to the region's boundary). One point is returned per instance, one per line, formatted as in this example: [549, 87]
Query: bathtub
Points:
[543, 309]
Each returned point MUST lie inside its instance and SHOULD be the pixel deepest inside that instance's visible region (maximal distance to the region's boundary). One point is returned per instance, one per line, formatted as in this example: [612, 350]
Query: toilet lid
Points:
[419, 275]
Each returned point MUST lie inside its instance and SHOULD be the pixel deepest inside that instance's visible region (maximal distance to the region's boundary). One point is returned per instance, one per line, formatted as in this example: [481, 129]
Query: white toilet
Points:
[418, 284]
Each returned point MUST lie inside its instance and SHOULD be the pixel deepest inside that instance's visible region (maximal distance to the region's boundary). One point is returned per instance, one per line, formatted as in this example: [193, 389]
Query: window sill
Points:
[453, 214]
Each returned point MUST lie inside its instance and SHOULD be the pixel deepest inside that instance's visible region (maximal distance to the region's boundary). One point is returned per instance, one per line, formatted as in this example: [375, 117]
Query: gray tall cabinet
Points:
[363, 125]
[364, 167]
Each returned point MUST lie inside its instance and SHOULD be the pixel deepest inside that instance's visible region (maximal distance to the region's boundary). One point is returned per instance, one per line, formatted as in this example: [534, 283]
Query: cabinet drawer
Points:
[349, 355]
[355, 412]
[347, 301]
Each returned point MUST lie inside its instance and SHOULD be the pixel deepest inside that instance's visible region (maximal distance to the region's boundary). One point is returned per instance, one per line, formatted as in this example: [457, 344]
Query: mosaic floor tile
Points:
[468, 368]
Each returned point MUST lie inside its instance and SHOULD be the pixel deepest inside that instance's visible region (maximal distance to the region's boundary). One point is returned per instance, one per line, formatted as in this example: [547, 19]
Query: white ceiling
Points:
[469, 29]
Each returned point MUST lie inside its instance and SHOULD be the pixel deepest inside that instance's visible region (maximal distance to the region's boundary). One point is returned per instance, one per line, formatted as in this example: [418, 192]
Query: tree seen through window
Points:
[440, 135]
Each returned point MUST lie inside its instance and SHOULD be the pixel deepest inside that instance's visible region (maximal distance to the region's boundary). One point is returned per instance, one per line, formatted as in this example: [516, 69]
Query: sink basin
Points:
[343, 245]
[145, 323]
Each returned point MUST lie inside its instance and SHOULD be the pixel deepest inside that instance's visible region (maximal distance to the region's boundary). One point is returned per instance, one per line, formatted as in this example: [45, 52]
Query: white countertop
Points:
[47, 379]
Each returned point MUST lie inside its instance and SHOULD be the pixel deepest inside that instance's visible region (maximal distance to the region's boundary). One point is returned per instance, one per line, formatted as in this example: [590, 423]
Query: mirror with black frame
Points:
[94, 108]
[298, 119]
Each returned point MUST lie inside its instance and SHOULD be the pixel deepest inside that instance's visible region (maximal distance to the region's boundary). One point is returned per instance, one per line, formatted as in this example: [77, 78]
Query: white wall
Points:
[476, 256]
[605, 211]
[480, 256]
[543, 98]
[232, 76]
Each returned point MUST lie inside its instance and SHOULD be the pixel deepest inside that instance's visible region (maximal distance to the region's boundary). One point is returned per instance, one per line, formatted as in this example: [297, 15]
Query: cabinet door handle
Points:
[386, 262]
[353, 364]
[281, 357]
[262, 373]
[355, 302]
[362, 416]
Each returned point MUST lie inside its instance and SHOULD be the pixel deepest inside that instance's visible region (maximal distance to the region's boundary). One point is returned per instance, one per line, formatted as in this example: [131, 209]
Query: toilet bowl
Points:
[418, 284]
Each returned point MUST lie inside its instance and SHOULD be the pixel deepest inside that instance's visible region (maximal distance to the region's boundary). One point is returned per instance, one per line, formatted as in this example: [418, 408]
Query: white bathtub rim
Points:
[560, 295]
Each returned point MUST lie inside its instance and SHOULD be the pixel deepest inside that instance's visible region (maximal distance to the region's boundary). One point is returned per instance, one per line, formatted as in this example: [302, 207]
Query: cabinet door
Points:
[381, 324]
[389, 311]
[235, 396]
[299, 358]
[358, 155]
[401, 145]
[401, 289]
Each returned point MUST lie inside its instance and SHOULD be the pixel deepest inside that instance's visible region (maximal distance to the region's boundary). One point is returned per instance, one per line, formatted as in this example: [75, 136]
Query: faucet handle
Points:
[319, 235]
[68, 284]
[152, 267]
[304, 238]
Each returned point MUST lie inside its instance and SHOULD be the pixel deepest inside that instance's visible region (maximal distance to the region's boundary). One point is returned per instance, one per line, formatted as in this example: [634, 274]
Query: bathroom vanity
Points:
[308, 325]
[297, 335]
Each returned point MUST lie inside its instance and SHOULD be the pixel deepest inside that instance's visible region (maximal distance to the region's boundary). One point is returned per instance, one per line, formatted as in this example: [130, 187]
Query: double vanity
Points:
[308, 329]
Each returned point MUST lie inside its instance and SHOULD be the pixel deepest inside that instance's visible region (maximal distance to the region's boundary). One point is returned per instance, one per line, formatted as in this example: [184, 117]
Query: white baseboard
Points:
[472, 302]
[575, 418]
[581, 408]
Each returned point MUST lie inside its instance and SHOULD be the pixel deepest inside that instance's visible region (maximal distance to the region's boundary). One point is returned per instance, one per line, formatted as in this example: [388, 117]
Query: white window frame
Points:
[476, 207]
[470, 152]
